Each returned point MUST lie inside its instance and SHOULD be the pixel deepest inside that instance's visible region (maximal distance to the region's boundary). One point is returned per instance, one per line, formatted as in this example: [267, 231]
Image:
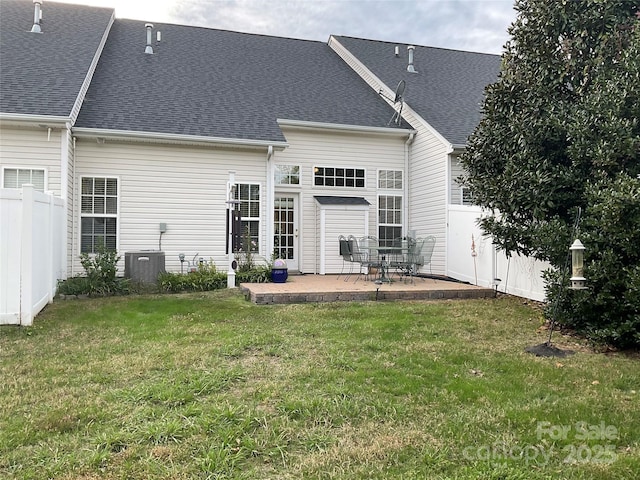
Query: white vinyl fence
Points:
[32, 252]
[517, 275]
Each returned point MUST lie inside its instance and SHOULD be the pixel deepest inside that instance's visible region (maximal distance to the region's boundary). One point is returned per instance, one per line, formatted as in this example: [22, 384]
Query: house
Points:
[148, 132]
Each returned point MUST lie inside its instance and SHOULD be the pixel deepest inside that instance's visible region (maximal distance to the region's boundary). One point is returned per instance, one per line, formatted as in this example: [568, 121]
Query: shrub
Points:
[205, 278]
[609, 309]
[100, 276]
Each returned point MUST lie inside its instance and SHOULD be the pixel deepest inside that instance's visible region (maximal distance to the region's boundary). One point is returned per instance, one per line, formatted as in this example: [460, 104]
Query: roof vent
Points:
[37, 16]
[149, 48]
[396, 51]
[410, 67]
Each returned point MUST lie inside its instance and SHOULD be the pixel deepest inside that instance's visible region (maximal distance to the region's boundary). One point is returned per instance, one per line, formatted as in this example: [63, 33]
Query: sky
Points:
[472, 25]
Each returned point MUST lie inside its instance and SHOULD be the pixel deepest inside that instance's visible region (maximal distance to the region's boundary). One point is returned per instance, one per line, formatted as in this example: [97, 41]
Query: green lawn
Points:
[211, 386]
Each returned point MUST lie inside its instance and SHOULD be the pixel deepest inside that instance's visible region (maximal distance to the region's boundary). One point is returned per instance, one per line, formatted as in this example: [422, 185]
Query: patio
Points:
[333, 288]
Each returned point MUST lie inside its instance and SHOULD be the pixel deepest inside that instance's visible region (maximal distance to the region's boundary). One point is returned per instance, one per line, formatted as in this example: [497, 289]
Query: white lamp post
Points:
[578, 282]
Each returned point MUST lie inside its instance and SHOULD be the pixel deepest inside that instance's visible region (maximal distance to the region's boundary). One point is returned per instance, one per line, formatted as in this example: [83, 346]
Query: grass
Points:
[209, 386]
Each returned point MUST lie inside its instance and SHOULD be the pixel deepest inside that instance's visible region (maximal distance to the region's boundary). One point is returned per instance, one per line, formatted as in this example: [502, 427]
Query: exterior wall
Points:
[455, 197]
[309, 148]
[180, 185]
[32, 147]
[333, 221]
[428, 194]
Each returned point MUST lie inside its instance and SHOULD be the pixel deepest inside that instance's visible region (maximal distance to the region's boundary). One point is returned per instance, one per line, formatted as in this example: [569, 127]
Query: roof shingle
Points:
[42, 73]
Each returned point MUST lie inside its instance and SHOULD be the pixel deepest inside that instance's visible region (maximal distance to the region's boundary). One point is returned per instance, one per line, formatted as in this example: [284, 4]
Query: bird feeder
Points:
[578, 282]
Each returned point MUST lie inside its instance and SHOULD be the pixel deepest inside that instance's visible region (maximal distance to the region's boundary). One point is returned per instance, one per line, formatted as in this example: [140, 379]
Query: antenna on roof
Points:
[397, 98]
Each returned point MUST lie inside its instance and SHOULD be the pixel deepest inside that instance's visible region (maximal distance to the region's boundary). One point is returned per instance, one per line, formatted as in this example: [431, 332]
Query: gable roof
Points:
[222, 84]
[44, 73]
[448, 89]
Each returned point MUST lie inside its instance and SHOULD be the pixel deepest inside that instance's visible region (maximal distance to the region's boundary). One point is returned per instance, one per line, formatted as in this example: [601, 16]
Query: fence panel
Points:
[472, 257]
[32, 232]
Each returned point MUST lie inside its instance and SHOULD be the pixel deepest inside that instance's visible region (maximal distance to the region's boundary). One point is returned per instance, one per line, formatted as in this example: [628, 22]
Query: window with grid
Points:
[466, 197]
[98, 214]
[389, 218]
[390, 179]
[338, 177]
[287, 175]
[16, 177]
[248, 194]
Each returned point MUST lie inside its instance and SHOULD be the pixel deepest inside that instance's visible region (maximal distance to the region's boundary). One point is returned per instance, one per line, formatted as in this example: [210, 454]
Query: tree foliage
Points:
[561, 133]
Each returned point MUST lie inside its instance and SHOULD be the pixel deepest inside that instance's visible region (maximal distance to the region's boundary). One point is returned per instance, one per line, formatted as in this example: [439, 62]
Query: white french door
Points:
[285, 228]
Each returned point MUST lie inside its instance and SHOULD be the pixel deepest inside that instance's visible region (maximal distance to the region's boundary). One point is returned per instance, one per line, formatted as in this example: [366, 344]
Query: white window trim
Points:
[401, 189]
[261, 244]
[391, 193]
[80, 214]
[24, 167]
[313, 180]
[288, 185]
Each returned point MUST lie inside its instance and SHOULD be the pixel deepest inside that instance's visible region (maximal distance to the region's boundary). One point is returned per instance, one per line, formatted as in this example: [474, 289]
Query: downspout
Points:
[407, 191]
[269, 208]
[72, 194]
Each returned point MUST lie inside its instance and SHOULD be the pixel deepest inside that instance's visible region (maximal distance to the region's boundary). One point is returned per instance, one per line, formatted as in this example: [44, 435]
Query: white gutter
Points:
[108, 134]
[401, 132]
[270, 194]
[43, 120]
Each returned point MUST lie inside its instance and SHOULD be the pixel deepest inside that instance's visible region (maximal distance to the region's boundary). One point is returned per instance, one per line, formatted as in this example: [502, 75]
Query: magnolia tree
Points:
[561, 135]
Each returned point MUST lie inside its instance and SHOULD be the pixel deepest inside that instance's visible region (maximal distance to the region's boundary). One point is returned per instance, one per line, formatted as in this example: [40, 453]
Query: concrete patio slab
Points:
[334, 288]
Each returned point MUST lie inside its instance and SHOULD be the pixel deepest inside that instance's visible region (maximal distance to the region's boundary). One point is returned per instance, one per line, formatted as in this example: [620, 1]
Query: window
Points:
[16, 177]
[249, 196]
[390, 179]
[389, 218]
[338, 177]
[287, 175]
[465, 196]
[98, 214]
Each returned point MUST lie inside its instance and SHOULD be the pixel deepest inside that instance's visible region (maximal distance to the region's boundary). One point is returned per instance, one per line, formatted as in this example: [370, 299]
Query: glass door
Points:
[285, 229]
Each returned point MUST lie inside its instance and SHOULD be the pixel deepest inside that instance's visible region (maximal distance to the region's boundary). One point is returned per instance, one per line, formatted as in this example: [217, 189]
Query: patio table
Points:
[397, 254]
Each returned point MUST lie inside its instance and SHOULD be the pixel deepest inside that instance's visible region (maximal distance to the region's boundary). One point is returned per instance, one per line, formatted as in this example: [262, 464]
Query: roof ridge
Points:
[388, 42]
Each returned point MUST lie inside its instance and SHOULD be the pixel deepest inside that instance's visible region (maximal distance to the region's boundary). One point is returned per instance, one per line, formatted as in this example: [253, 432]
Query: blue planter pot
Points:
[279, 275]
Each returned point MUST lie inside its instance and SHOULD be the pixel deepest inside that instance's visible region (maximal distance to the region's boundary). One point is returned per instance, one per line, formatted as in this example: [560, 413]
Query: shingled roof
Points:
[217, 83]
[43, 73]
[448, 89]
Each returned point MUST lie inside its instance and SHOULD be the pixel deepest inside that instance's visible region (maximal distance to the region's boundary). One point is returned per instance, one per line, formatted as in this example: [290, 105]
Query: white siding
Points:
[333, 221]
[182, 186]
[309, 148]
[457, 170]
[33, 148]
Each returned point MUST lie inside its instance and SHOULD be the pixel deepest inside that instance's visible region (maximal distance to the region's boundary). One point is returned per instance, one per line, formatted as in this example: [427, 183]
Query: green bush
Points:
[608, 311]
[99, 278]
[205, 278]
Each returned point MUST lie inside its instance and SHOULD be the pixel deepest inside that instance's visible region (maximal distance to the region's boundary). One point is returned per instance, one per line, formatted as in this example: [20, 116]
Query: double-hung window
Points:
[389, 206]
[98, 214]
[248, 194]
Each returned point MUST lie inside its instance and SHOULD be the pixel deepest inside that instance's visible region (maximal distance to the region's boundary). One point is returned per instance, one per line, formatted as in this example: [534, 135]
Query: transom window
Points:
[16, 177]
[98, 214]
[287, 175]
[248, 194]
[390, 179]
[389, 218]
[338, 177]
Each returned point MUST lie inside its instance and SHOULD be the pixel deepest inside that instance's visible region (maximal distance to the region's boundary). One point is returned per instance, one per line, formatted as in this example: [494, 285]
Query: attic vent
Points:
[149, 49]
[410, 67]
[37, 16]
